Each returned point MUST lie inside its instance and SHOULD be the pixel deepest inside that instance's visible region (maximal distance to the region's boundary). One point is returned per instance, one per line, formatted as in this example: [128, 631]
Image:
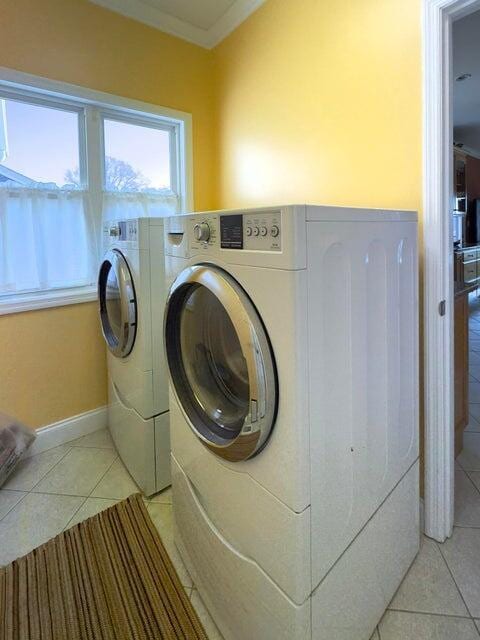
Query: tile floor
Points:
[438, 600]
[63, 486]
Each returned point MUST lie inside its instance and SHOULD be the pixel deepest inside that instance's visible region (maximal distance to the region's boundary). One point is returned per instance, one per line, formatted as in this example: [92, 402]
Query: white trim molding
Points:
[163, 21]
[46, 299]
[438, 261]
[69, 429]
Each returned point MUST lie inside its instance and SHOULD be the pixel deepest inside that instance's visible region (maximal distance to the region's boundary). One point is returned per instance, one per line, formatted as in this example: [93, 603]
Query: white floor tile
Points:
[397, 625]
[469, 458]
[162, 517]
[90, 508]
[99, 439]
[78, 472]
[462, 553]
[474, 370]
[164, 497]
[474, 392]
[33, 521]
[475, 478]
[474, 410]
[208, 624]
[474, 344]
[473, 425]
[8, 499]
[31, 470]
[428, 586]
[467, 502]
[474, 357]
[117, 483]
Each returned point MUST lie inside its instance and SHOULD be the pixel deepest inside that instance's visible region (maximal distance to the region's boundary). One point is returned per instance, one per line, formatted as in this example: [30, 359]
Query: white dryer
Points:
[291, 339]
[131, 291]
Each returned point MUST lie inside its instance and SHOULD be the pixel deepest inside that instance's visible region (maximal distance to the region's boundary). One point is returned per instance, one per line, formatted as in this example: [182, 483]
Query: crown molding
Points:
[207, 38]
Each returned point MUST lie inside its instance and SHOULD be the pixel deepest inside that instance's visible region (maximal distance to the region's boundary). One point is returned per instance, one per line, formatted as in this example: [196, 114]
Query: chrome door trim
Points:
[256, 349]
[115, 260]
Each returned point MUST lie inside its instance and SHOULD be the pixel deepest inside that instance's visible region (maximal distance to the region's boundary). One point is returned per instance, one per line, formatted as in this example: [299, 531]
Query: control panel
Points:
[121, 231]
[258, 231]
[262, 231]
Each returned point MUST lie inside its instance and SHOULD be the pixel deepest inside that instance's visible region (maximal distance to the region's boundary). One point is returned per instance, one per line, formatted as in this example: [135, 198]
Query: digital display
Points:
[231, 232]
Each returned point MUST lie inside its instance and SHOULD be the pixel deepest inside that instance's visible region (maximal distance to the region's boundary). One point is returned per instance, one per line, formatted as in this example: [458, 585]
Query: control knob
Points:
[274, 231]
[201, 232]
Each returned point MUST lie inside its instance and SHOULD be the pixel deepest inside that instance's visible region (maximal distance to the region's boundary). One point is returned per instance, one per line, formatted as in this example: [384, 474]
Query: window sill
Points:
[46, 299]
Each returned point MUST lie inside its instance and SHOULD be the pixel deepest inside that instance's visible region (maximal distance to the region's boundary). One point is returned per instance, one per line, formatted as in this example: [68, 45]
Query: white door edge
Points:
[438, 262]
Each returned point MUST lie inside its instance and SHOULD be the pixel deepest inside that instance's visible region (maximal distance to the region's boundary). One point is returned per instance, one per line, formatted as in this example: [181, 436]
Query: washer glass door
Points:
[220, 362]
[118, 309]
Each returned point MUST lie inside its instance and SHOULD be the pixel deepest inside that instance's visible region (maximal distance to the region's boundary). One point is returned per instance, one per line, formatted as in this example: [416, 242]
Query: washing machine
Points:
[292, 345]
[132, 293]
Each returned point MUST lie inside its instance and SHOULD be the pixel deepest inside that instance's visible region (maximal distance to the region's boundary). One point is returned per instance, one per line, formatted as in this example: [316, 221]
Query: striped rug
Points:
[107, 578]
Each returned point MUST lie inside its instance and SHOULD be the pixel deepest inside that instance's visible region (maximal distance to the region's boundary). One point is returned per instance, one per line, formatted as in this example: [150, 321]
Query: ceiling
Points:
[466, 94]
[204, 22]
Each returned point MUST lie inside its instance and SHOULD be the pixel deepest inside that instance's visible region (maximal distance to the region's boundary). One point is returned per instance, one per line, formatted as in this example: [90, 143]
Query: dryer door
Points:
[118, 306]
[220, 362]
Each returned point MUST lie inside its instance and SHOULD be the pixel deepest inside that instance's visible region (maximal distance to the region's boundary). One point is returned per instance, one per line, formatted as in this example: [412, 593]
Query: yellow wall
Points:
[52, 362]
[320, 101]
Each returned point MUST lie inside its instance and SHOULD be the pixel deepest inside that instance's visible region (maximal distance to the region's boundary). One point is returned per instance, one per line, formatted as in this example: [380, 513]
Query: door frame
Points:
[438, 261]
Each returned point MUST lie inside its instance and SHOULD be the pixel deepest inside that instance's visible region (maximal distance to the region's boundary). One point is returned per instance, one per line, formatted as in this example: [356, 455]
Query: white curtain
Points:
[47, 240]
[125, 206]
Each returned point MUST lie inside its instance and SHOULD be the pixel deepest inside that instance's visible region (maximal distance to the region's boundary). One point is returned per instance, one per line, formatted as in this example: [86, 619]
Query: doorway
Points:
[439, 290]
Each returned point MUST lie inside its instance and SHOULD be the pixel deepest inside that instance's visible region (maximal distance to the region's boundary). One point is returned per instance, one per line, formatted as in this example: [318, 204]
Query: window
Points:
[66, 165]
[43, 142]
[143, 149]
[45, 238]
[138, 167]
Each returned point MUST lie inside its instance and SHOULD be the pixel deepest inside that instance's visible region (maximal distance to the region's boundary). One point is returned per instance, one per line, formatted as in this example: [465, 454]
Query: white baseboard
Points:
[69, 429]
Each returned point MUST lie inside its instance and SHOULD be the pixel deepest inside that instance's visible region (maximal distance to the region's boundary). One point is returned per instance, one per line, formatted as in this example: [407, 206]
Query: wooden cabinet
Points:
[466, 268]
[461, 368]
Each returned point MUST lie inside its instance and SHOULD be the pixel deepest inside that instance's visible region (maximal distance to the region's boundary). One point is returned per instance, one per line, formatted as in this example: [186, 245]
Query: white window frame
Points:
[96, 106]
[152, 123]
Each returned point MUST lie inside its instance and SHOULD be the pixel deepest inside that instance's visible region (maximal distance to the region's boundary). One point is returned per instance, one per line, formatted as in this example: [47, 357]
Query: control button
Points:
[274, 231]
[114, 231]
[201, 232]
[249, 231]
[256, 231]
[263, 231]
